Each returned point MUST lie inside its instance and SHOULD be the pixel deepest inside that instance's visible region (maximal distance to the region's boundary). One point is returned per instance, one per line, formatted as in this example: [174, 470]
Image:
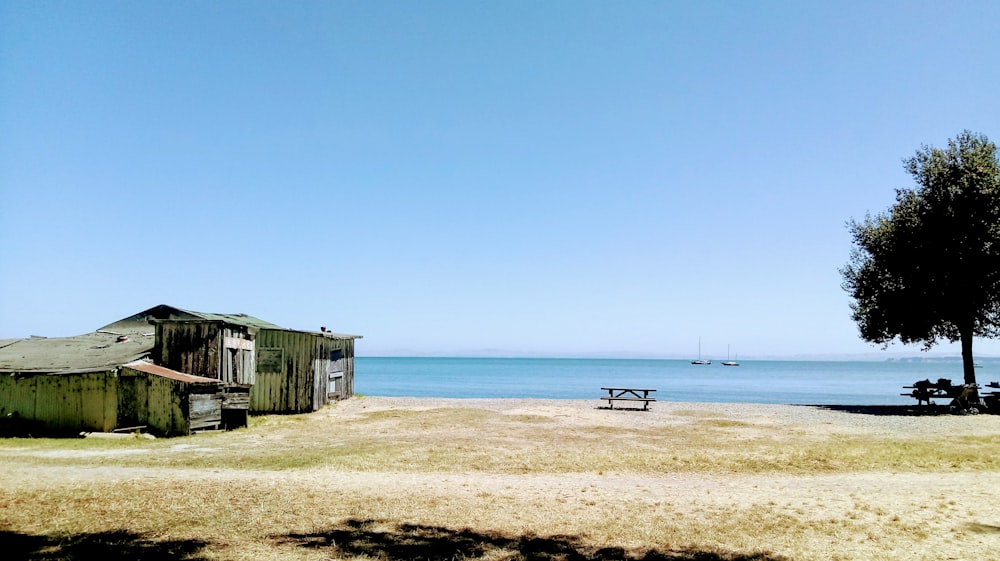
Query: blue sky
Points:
[560, 178]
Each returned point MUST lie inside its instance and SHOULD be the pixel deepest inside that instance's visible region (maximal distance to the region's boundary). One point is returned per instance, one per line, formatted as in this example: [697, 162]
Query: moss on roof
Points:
[82, 353]
[238, 319]
[165, 312]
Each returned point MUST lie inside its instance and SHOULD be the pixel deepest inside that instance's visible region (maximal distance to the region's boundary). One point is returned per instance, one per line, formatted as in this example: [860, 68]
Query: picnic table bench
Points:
[924, 395]
[991, 396]
[961, 397]
[628, 394]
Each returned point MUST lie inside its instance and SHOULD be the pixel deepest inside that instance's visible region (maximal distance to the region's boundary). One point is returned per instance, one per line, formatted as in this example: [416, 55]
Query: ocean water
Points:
[789, 382]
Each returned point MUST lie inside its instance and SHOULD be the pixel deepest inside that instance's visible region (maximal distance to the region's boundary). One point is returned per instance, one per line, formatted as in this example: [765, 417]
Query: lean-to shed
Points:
[301, 371]
[167, 401]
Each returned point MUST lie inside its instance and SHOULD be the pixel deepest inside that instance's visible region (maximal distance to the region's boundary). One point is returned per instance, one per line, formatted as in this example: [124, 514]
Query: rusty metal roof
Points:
[150, 368]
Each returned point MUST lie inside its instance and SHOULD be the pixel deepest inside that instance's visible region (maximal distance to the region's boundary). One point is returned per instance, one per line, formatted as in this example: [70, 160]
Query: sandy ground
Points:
[953, 514]
[949, 513]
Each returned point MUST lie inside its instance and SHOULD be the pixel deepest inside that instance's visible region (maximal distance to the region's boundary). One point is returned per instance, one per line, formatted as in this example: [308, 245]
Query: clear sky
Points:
[561, 178]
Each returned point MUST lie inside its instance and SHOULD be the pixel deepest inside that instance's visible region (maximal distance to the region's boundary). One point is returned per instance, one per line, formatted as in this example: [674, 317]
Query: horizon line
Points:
[640, 356]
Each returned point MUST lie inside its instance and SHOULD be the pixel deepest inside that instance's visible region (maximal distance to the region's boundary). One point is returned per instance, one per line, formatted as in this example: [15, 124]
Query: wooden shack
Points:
[219, 347]
[174, 371]
[296, 371]
[301, 371]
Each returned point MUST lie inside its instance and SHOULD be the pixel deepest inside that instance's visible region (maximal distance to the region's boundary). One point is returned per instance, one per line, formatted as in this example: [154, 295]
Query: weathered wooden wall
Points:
[207, 348]
[191, 347]
[294, 370]
[238, 365]
[204, 410]
[344, 365]
[62, 403]
[154, 402]
[284, 373]
[349, 369]
[165, 406]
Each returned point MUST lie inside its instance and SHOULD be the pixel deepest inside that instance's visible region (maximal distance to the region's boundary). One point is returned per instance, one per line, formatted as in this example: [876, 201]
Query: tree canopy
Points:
[928, 268]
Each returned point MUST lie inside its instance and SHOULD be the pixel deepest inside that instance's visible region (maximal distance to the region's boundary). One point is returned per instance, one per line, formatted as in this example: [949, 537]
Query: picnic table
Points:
[961, 397]
[628, 394]
[924, 395]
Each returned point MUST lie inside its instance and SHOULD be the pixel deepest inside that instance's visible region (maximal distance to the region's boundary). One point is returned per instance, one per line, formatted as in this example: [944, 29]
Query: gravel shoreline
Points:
[886, 419]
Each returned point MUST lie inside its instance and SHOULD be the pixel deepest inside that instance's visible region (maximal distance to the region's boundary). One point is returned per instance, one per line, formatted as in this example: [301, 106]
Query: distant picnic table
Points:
[629, 394]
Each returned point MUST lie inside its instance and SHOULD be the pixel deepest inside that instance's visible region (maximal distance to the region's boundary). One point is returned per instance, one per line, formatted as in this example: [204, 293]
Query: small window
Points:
[336, 385]
[270, 359]
[336, 354]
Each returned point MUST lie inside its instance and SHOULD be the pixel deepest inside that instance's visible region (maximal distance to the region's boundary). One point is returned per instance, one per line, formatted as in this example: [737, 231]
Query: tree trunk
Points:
[968, 366]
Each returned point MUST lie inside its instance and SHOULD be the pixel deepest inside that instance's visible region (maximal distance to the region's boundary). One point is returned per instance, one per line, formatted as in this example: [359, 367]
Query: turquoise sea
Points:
[764, 381]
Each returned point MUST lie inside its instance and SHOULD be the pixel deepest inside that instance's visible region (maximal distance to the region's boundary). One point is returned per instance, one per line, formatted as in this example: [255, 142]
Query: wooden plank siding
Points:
[165, 410]
[190, 347]
[238, 365]
[204, 410]
[294, 370]
[284, 376]
[211, 349]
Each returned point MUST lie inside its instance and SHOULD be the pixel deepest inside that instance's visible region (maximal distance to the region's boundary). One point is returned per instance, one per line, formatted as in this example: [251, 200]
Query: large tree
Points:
[928, 269]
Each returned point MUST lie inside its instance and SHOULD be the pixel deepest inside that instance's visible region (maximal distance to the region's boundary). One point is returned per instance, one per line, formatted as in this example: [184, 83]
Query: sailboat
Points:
[728, 362]
[700, 361]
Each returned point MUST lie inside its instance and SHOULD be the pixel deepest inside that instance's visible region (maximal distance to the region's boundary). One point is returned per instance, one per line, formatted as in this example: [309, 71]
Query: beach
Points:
[432, 478]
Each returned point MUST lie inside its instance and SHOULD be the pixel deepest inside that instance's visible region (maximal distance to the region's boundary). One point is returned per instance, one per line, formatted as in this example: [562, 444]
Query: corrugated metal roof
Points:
[150, 368]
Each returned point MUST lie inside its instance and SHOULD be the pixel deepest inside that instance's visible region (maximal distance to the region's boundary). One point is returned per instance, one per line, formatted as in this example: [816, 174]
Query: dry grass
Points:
[394, 480]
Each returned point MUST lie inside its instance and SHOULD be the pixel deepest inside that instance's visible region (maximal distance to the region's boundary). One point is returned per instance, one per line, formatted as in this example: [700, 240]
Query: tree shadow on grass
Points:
[105, 546]
[378, 540]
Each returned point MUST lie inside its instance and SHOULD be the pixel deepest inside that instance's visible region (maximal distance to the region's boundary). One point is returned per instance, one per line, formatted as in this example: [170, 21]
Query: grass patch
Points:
[697, 413]
[723, 423]
[464, 440]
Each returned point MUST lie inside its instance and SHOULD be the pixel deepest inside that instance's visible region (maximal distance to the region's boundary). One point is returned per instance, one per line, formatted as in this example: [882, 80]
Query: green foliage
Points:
[928, 269]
